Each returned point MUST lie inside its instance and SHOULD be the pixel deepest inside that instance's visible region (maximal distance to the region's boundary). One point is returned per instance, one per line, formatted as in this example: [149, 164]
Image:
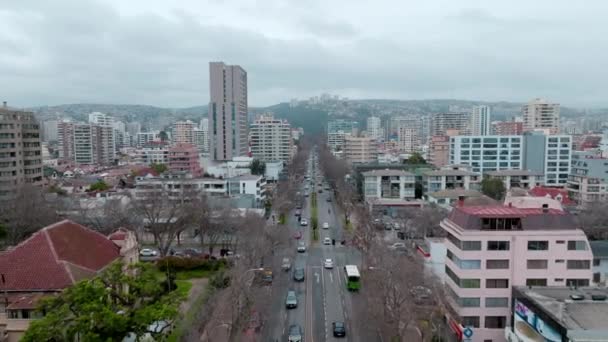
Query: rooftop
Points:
[246, 177]
[455, 193]
[449, 172]
[558, 194]
[387, 172]
[557, 302]
[513, 173]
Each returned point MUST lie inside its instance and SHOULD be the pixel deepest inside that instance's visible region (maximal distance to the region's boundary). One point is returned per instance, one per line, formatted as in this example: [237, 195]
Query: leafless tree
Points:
[593, 220]
[103, 215]
[29, 211]
[422, 222]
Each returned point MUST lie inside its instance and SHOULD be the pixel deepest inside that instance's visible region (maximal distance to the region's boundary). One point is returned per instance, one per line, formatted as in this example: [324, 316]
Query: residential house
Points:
[524, 179]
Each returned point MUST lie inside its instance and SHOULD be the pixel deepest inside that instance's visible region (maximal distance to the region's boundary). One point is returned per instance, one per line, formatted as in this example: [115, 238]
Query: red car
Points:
[297, 235]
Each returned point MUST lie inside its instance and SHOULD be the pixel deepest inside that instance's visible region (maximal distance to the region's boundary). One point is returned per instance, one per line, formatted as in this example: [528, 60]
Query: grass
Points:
[183, 288]
[191, 274]
[348, 225]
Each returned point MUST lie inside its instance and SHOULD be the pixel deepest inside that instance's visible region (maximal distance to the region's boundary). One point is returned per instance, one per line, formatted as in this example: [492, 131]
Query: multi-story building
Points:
[523, 179]
[152, 155]
[143, 138]
[336, 140]
[441, 122]
[228, 129]
[184, 158]
[439, 148]
[270, 139]
[248, 185]
[84, 141]
[530, 241]
[133, 128]
[103, 134]
[374, 128]
[480, 120]
[50, 130]
[450, 177]
[343, 125]
[408, 139]
[600, 261]
[508, 128]
[549, 155]
[20, 150]
[182, 132]
[65, 140]
[201, 140]
[388, 184]
[541, 114]
[588, 179]
[360, 150]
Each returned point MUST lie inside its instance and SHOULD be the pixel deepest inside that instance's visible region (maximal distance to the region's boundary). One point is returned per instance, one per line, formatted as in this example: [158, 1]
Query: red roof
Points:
[119, 234]
[505, 211]
[540, 191]
[56, 257]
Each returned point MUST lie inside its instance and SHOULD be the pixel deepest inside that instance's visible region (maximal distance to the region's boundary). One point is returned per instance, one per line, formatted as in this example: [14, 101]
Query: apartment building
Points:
[508, 128]
[450, 177]
[541, 114]
[441, 122]
[481, 120]
[388, 184]
[20, 150]
[588, 179]
[343, 125]
[524, 179]
[374, 128]
[144, 138]
[546, 154]
[408, 139]
[152, 155]
[50, 130]
[182, 132]
[184, 158]
[228, 127]
[531, 242]
[337, 140]
[270, 139]
[248, 185]
[83, 142]
[360, 150]
[104, 140]
[201, 136]
[65, 140]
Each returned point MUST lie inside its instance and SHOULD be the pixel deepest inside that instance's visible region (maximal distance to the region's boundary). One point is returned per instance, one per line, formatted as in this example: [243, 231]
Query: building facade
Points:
[184, 158]
[271, 139]
[508, 128]
[588, 179]
[152, 155]
[441, 122]
[374, 128]
[541, 114]
[182, 132]
[20, 150]
[65, 140]
[360, 150]
[480, 120]
[491, 249]
[228, 127]
[104, 144]
[523, 179]
[144, 138]
[450, 177]
[388, 184]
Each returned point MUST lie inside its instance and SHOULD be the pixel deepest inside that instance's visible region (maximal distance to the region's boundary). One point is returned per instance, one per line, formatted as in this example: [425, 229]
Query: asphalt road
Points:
[322, 297]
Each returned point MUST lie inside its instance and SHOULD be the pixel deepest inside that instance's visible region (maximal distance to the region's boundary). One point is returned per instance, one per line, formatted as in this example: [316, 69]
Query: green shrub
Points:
[182, 264]
[220, 280]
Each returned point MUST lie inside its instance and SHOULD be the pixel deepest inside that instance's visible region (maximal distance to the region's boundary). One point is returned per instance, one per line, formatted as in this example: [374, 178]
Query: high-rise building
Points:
[408, 139]
[182, 132]
[20, 150]
[184, 158]
[527, 241]
[227, 111]
[541, 114]
[201, 140]
[104, 142]
[133, 128]
[65, 139]
[50, 130]
[374, 128]
[144, 138]
[271, 139]
[480, 120]
[441, 122]
[360, 150]
[439, 150]
[83, 142]
[508, 128]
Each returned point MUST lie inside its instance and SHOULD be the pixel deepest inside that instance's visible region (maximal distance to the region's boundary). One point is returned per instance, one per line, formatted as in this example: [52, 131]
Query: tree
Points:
[415, 159]
[422, 222]
[123, 300]
[493, 188]
[164, 136]
[99, 186]
[258, 167]
[594, 221]
[159, 168]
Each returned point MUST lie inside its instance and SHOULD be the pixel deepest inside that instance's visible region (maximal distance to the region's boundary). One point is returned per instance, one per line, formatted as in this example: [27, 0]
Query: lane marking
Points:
[331, 277]
[317, 276]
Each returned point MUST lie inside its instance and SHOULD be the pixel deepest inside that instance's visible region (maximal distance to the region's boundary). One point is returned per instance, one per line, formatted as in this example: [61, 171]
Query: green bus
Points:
[352, 277]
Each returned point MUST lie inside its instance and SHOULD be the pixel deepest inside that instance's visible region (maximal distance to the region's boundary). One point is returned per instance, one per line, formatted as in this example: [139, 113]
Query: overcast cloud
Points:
[157, 52]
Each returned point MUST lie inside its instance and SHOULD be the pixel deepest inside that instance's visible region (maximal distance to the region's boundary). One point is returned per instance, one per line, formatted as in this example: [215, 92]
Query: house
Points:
[389, 190]
[51, 260]
[558, 194]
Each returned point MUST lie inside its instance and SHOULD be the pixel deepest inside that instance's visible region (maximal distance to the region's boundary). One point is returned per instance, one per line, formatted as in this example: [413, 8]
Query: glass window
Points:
[577, 282]
[469, 302]
[538, 245]
[497, 264]
[578, 264]
[497, 283]
[537, 264]
[498, 245]
[470, 321]
[536, 282]
[577, 245]
[471, 245]
[495, 322]
[497, 302]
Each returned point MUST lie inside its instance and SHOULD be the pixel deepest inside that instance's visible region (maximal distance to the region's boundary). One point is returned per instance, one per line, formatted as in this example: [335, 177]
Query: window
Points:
[536, 282]
[495, 322]
[577, 282]
[558, 280]
[469, 302]
[596, 262]
[464, 264]
[498, 245]
[578, 264]
[490, 223]
[465, 245]
[497, 283]
[470, 321]
[537, 264]
[559, 261]
[597, 277]
[497, 302]
[497, 264]
[463, 283]
[577, 245]
[538, 245]
[560, 241]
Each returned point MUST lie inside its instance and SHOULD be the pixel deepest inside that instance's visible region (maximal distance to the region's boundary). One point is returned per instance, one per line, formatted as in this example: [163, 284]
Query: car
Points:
[193, 252]
[298, 274]
[286, 264]
[397, 245]
[298, 206]
[306, 194]
[295, 333]
[147, 252]
[304, 222]
[298, 212]
[339, 329]
[328, 263]
[327, 241]
[291, 302]
[301, 247]
[325, 225]
[320, 191]
[328, 199]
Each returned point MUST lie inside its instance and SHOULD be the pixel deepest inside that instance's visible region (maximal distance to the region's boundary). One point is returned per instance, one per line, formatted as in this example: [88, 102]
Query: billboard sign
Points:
[529, 327]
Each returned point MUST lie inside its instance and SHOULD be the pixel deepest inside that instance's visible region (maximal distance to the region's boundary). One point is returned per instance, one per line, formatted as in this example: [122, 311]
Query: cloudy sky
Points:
[157, 52]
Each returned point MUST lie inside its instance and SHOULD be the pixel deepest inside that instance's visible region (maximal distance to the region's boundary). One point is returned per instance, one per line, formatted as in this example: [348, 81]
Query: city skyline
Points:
[156, 53]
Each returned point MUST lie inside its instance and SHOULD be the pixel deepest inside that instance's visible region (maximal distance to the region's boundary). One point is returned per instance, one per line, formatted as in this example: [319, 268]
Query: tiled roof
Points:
[56, 257]
[540, 191]
[25, 301]
[469, 217]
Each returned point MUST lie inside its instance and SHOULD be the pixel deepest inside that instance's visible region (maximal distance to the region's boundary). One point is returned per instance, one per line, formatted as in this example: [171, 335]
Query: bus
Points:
[352, 277]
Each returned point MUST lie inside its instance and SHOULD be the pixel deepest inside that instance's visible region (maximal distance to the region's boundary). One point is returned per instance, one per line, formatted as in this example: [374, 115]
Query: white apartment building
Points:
[441, 122]
[50, 130]
[143, 138]
[83, 142]
[271, 139]
[104, 140]
[523, 179]
[481, 120]
[201, 140]
[374, 128]
[152, 155]
[450, 177]
[248, 185]
[182, 132]
[337, 139]
[360, 150]
[388, 184]
[408, 139]
[541, 114]
[588, 179]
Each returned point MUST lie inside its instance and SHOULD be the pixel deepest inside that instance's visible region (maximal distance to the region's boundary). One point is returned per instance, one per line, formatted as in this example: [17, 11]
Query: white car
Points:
[303, 222]
[146, 252]
[325, 225]
[301, 247]
[327, 241]
[397, 245]
[328, 263]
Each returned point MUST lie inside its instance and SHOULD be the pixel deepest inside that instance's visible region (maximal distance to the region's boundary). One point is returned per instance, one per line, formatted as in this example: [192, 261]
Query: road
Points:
[322, 297]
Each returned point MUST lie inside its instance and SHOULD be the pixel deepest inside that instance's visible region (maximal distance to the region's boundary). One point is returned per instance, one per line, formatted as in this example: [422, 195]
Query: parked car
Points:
[328, 199]
[397, 245]
[301, 247]
[339, 329]
[291, 302]
[304, 222]
[327, 241]
[147, 252]
[193, 252]
[295, 333]
[325, 225]
[328, 263]
[298, 212]
[298, 274]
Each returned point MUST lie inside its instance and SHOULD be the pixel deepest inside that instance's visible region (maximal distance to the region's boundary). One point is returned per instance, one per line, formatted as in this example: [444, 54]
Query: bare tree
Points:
[593, 220]
[103, 215]
[422, 222]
